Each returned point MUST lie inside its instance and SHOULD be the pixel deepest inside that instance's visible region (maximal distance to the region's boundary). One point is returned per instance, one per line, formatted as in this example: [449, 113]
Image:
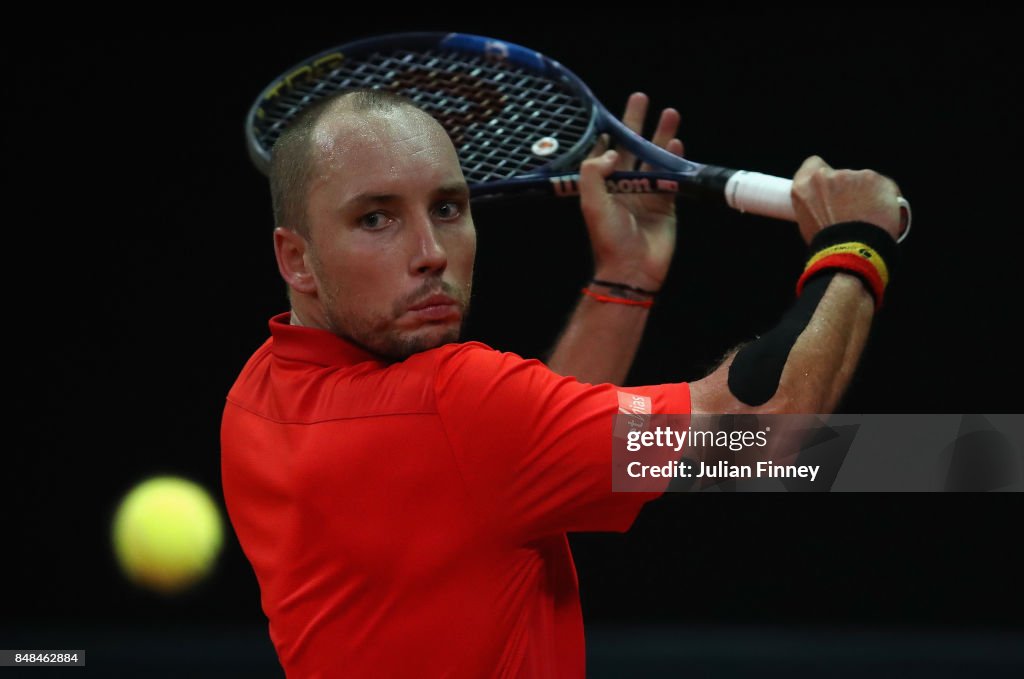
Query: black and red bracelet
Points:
[626, 294]
[645, 303]
[623, 286]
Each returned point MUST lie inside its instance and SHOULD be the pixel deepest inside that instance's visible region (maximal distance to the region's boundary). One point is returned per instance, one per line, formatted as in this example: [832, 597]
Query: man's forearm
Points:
[816, 369]
[599, 342]
[825, 356]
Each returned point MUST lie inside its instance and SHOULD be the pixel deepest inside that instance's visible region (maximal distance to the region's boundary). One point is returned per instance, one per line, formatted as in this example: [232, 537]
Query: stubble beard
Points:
[378, 334]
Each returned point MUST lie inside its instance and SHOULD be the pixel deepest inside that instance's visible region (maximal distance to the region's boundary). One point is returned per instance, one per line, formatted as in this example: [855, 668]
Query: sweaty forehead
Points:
[347, 139]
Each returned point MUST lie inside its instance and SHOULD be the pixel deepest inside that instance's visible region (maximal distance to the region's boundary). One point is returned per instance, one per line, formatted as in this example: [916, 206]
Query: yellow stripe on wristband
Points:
[854, 248]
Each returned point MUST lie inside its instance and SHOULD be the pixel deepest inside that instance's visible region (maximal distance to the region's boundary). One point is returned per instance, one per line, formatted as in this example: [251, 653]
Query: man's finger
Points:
[633, 118]
[593, 192]
[668, 125]
[600, 146]
[809, 167]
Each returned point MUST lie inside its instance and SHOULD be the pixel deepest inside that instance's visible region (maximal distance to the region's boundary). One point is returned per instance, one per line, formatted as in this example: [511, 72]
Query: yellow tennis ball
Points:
[167, 534]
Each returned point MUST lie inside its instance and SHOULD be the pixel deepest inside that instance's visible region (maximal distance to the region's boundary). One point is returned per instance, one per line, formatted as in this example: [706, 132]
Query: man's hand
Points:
[823, 196]
[633, 236]
[821, 361]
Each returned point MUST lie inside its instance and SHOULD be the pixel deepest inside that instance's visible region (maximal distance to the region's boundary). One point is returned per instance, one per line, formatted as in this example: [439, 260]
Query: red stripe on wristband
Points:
[618, 300]
[854, 264]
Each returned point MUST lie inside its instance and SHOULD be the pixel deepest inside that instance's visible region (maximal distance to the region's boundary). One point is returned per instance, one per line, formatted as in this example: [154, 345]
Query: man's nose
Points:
[429, 254]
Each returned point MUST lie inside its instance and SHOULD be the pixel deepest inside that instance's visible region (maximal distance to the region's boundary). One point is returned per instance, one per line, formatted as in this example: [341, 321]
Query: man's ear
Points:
[290, 248]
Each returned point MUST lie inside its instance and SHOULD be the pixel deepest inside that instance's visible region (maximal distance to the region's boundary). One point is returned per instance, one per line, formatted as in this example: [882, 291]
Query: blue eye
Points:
[448, 209]
[374, 220]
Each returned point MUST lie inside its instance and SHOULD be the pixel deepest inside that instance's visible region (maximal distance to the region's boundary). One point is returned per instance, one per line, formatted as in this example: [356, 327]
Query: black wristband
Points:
[875, 237]
[863, 250]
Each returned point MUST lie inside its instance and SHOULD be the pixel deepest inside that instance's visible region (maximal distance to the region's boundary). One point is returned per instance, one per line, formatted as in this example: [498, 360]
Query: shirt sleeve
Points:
[535, 448]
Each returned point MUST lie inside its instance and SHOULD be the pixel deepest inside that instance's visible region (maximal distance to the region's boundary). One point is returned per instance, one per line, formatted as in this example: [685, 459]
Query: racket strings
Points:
[495, 112]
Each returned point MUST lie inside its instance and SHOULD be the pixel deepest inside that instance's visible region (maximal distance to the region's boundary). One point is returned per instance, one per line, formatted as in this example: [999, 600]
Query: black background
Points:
[142, 277]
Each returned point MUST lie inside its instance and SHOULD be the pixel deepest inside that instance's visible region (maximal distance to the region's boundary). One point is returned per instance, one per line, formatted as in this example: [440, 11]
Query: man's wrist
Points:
[629, 278]
[619, 290]
[604, 298]
[861, 249]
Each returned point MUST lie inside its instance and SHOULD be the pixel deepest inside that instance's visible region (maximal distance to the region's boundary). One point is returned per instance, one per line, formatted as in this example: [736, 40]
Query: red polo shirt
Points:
[409, 519]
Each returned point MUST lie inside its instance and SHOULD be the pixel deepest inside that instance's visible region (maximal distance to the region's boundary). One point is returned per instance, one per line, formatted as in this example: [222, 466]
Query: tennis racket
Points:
[521, 122]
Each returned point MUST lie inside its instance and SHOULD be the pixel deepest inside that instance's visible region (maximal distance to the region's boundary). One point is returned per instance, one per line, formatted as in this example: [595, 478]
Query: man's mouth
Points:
[436, 307]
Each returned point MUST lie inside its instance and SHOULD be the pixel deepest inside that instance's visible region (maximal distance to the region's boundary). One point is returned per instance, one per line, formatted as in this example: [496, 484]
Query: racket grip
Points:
[761, 194]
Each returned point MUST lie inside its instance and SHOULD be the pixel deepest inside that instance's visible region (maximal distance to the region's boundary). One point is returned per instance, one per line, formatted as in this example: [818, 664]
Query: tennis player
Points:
[404, 497]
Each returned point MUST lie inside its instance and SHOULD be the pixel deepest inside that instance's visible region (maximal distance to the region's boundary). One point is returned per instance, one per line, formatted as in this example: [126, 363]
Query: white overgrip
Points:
[761, 194]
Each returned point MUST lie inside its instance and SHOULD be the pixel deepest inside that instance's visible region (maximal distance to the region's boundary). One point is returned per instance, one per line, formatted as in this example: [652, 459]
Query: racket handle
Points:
[761, 194]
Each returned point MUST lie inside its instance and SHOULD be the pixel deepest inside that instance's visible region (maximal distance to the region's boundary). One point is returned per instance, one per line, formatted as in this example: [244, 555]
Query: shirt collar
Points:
[313, 345]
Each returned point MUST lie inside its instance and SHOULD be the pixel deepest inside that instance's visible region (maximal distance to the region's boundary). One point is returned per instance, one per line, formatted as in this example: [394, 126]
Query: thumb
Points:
[593, 171]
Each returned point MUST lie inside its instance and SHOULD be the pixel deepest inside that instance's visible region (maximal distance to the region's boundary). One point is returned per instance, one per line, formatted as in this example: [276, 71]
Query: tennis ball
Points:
[167, 534]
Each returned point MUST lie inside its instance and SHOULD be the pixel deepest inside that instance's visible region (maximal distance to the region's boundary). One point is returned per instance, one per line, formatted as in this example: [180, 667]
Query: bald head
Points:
[315, 135]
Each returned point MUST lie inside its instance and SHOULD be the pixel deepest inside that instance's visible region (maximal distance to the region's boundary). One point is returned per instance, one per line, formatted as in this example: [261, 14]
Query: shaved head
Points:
[297, 154]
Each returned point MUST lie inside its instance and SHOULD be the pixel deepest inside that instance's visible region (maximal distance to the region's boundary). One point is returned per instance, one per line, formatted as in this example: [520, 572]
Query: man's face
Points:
[391, 239]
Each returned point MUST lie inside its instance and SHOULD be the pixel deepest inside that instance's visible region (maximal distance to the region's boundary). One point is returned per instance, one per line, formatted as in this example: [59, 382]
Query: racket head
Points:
[512, 113]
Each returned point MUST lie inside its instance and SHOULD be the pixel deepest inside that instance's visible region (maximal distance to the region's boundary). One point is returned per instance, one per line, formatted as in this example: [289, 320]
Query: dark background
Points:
[142, 277]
